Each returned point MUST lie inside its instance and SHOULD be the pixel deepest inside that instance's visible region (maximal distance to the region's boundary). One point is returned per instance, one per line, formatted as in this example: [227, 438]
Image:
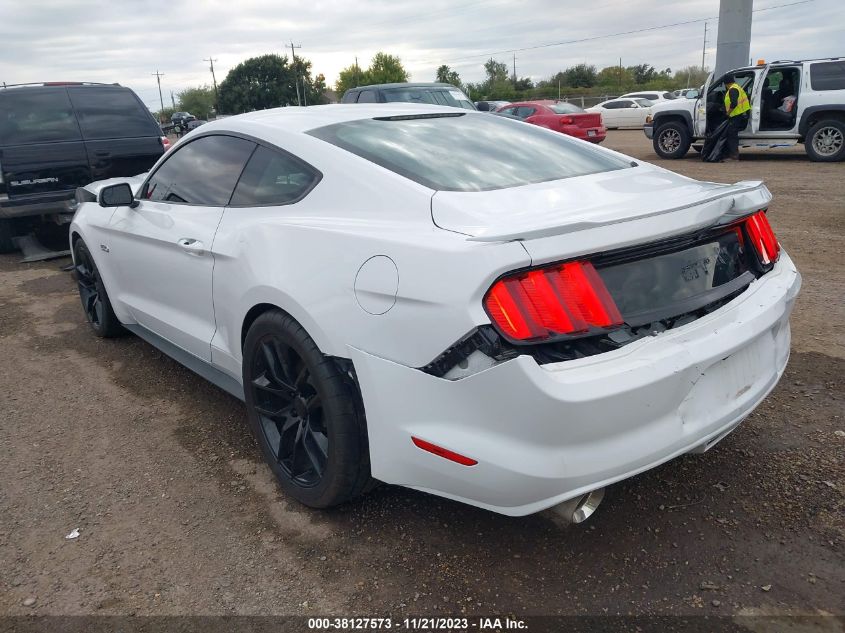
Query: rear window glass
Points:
[36, 116]
[565, 108]
[467, 152]
[828, 76]
[111, 113]
[273, 177]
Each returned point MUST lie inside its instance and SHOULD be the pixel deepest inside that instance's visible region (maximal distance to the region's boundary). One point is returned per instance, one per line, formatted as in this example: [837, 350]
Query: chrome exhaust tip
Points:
[579, 509]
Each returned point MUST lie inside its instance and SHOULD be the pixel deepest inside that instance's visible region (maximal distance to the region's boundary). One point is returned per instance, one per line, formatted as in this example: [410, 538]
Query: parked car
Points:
[490, 106]
[618, 113]
[791, 102]
[180, 118]
[683, 93]
[433, 93]
[655, 96]
[445, 300]
[55, 137]
[560, 117]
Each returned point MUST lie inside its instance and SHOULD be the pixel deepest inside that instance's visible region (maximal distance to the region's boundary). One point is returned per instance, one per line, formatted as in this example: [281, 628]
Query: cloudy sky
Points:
[126, 41]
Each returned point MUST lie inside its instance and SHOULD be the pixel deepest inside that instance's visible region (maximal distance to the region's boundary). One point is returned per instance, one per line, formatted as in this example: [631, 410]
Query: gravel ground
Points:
[177, 514]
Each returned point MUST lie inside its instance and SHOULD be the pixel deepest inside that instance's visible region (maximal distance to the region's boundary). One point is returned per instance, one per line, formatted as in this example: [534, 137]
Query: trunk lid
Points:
[590, 214]
[586, 120]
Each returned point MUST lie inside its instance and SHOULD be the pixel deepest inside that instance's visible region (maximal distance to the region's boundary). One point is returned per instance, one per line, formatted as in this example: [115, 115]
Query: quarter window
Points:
[202, 172]
[828, 76]
[273, 177]
[367, 96]
[111, 112]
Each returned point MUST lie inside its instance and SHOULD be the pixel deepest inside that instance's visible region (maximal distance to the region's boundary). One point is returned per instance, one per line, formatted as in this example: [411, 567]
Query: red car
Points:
[560, 117]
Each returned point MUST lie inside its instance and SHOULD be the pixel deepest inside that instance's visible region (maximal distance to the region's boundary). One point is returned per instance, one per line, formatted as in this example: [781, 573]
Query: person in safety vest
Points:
[737, 107]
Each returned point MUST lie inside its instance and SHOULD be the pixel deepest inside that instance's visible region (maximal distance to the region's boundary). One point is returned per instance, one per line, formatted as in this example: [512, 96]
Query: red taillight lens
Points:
[539, 304]
[566, 120]
[165, 143]
[763, 238]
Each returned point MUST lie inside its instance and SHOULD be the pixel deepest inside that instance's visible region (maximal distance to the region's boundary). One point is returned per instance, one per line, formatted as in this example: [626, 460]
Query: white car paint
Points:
[388, 273]
[633, 114]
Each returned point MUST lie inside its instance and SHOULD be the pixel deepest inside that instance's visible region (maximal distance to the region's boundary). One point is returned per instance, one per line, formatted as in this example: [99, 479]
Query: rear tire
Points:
[92, 293]
[825, 141]
[672, 140]
[305, 413]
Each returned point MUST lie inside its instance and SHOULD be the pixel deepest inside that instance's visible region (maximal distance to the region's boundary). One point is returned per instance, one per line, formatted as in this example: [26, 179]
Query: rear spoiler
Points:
[740, 199]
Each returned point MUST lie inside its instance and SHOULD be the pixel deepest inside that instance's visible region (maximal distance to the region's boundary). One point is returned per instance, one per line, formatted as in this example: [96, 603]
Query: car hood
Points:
[576, 204]
[134, 181]
[673, 104]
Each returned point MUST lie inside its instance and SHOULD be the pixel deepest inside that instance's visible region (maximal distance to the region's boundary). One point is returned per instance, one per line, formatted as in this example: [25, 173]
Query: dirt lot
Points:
[178, 515]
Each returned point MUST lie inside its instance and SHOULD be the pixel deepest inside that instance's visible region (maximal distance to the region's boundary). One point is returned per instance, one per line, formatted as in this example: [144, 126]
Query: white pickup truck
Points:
[791, 102]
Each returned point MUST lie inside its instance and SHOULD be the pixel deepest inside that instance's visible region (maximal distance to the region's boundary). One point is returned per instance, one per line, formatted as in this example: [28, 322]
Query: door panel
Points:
[163, 257]
[114, 158]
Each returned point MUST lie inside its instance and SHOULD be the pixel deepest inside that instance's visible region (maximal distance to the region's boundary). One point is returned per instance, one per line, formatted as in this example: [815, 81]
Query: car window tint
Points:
[202, 172]
[367, 96]
[111, 112]
[828, 76]
[615, 105]
[36, 116]
[466, 152]
[273, 177]
[523, 112]
[565, 108]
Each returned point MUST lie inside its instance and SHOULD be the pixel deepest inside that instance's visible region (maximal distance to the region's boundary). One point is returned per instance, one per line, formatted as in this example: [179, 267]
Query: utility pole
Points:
[620, 74]
[356, 73]
[704, 47]
[213, 79]
[514, 70]
[295, 75]
[172, 100]
[158, 77]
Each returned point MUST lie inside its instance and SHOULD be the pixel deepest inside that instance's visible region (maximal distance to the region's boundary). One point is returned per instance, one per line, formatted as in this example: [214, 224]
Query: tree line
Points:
[271, 81]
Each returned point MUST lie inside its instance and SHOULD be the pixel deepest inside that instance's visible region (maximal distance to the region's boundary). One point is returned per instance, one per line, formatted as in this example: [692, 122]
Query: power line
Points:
[608, 35]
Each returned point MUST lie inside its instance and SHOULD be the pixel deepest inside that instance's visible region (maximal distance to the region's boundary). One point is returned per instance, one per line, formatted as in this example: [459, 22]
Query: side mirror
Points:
[633, 105]
[692, 94]
[119, 195]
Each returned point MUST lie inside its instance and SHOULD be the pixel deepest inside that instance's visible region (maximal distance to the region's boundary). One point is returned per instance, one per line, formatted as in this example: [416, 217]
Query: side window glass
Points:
[202, 172]
[273, 177]
[523, 112]
[111, 112]
[30, 116]
[367, 96]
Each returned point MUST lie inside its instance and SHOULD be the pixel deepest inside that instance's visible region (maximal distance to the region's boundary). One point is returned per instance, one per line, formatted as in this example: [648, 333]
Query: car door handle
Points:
[191, 246]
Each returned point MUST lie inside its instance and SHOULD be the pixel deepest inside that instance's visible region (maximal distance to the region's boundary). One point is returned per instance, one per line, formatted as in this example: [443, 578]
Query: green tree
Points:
[614, 78]
[349, 77]
[581, 76]
[385, 69]
[198, 101]
[643, 73]
[448, 76]
[497, 72]
[690, 77]
[256, 84]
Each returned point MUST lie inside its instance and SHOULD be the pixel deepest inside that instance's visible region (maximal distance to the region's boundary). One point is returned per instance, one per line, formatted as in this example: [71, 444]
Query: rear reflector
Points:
[556, 300]
[442, 452]
[763, 238]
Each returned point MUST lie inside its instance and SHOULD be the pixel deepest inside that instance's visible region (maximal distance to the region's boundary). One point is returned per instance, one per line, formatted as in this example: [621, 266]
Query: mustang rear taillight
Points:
[763, 238]
[547, 302]
[567, 120]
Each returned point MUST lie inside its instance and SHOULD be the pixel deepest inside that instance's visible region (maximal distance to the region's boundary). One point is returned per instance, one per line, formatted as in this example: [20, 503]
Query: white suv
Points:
[791, 102]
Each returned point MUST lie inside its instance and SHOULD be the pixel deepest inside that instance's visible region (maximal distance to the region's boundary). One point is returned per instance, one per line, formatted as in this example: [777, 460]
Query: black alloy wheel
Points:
[305, 411]
[290, 411]
[93, 295]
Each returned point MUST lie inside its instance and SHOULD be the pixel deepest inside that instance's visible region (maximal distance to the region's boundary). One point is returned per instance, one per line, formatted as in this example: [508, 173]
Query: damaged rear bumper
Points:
[545, 434]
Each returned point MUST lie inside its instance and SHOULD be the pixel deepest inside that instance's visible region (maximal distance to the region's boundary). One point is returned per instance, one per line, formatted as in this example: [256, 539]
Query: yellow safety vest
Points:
[742, 105]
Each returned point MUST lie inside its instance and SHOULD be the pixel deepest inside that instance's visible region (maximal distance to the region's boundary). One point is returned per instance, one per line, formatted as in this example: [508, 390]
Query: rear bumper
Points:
[598, 133]
[36, 205]
[648, 130]
[545, 434]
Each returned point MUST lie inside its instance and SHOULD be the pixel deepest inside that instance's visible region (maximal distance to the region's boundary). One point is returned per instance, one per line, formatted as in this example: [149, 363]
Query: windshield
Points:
[467, 152]
[565, 108]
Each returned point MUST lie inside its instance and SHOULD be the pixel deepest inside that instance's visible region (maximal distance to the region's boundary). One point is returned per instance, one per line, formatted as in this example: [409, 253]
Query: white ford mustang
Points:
[450, 301]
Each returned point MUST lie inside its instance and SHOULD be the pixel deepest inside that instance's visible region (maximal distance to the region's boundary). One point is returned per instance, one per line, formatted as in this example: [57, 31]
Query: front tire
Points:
[672, 140]
[305, 413]
[825, 141]
[92, 293]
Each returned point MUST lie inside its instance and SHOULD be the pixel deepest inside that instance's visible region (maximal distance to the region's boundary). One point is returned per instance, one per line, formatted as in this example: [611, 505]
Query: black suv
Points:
[57, 137]
[437, 94]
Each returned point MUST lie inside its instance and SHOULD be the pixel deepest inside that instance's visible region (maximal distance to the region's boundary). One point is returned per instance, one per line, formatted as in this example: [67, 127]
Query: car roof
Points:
[293, 119]
[403, 85]
[34, 87]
